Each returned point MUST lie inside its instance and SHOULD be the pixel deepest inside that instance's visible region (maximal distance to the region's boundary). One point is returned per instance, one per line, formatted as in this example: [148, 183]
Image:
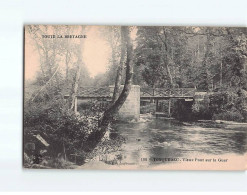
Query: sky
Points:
[31, 59]
[96, 53]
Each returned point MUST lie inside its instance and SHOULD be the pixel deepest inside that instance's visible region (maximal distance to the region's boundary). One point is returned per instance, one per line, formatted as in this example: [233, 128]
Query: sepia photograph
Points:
[135, 97]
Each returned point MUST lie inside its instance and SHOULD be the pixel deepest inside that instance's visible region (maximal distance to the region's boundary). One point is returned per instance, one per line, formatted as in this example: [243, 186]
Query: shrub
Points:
[66, 131]
[201, 110]
[229, 116]
[182, 110]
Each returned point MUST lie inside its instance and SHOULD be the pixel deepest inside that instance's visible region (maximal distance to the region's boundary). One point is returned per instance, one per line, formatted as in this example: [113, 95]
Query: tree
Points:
[120, 68]
[95, 137]
[148, 56]
[75, 86]
[161, 51]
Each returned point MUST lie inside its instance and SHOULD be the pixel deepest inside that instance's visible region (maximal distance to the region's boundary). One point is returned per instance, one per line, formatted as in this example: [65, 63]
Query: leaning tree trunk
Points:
[95, 137]
[120, 69]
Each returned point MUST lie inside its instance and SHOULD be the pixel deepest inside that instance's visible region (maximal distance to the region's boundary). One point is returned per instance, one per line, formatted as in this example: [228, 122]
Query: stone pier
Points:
[131, 107]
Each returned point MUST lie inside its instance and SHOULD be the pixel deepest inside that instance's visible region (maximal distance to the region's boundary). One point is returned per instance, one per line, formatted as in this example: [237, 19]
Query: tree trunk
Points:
[120, 69]
[67, 66]
[75, 86]
[205, 63]
[95, 137]
[165, 57]
[67, 58]
[169, 73]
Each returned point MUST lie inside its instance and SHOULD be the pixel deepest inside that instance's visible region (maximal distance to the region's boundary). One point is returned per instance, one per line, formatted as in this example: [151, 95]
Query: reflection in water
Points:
[161, 138]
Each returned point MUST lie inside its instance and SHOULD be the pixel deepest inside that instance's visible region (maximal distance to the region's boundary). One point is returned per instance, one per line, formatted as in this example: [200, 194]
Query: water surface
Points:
[164, 138]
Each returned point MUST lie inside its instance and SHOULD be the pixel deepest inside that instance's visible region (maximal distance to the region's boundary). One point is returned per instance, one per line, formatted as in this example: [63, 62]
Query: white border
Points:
[14, 14]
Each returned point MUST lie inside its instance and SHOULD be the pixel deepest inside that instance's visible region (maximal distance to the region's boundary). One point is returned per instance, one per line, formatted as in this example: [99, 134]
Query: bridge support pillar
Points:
[131, 107]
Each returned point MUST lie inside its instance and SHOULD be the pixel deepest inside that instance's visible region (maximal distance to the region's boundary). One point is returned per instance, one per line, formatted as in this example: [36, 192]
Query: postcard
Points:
[135, 97]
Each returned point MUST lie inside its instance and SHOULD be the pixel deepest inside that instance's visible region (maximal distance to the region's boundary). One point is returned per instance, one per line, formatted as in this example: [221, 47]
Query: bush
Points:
[228, 105]
[182, 110]
[201, 110]
[220, 101]
[66, 131]
[229, 116]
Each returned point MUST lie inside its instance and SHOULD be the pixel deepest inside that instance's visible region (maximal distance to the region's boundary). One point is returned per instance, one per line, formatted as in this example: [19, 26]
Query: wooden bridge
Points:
[145, 93]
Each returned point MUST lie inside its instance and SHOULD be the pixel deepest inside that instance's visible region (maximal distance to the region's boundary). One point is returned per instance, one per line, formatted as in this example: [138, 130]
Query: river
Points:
[164, 138]
[158, 141]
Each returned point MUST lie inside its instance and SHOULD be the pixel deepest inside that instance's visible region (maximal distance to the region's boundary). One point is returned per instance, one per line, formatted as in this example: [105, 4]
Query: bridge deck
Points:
[145, 93]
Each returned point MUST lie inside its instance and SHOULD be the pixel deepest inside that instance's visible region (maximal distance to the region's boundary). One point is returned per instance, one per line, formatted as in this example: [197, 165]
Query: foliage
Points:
[201, 110]
[229, 116]
[222, 105]
[67, 131]
[180, 107]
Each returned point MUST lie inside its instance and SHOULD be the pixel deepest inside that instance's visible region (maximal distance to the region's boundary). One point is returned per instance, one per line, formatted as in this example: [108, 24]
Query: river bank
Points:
[218, 124]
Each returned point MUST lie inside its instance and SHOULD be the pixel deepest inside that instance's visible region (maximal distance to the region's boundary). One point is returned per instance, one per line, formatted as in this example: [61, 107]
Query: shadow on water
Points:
[164, 138]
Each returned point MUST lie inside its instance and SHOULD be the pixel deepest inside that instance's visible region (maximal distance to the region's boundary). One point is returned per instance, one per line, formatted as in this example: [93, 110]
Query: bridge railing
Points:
[91, 92]
[161, 92]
